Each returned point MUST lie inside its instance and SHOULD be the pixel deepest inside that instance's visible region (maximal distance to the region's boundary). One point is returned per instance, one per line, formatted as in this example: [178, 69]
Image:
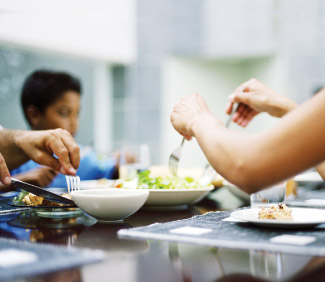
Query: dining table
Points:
[135, 260]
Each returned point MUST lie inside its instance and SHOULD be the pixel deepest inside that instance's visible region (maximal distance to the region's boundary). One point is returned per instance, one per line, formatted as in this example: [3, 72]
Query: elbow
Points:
[246, 177]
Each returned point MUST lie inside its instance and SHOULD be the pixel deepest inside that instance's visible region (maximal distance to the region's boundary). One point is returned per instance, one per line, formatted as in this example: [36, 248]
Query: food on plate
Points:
[281, 211]
[145, 181]
[29, 199]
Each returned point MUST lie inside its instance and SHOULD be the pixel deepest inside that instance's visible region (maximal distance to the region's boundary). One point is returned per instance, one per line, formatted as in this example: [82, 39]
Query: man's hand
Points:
[253, 98]
[187, 112]
[41, 145]
[4, 172]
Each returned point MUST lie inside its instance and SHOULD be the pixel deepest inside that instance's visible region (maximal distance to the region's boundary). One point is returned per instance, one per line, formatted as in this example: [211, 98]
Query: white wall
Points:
[97, 29]
[214, 80]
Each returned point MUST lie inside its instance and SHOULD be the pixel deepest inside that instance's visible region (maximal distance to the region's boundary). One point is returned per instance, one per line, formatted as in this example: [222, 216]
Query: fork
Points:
[174, 159]
[73, 183]
[176, 260]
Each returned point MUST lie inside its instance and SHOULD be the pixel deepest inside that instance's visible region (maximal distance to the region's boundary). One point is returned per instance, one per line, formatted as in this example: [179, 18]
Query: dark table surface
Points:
[136, 260]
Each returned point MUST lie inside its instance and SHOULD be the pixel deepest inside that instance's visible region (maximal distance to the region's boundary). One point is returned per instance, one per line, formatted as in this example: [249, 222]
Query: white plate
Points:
[176, 197]
[302, 218]
[308, 176]
[237, 191]
[96, 184]
[159, 197]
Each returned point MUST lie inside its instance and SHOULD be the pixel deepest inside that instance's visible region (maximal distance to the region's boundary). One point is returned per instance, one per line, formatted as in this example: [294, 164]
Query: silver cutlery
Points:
[73, 183]
[38, 191]
[174, 159]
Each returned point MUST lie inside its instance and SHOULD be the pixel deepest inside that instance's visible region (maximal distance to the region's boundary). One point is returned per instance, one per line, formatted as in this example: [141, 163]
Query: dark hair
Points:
[44, 87]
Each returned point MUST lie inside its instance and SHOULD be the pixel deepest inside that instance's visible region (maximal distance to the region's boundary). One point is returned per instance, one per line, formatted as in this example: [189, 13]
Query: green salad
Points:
[19, 198]
[145, 181]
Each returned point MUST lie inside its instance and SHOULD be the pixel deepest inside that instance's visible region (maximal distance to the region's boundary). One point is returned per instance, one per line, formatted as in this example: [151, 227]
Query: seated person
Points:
[52, 100]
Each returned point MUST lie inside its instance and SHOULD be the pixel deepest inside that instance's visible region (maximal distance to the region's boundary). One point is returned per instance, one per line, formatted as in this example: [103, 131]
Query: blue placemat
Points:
[212, 229]
[5, 208]
[24, 259]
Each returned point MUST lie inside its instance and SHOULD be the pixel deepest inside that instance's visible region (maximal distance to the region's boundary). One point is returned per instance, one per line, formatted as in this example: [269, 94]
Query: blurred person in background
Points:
[255, 161]
[52, 100]
[18, 146]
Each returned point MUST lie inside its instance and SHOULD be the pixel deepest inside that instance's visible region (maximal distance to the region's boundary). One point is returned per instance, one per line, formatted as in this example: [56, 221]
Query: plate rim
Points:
[279, 221]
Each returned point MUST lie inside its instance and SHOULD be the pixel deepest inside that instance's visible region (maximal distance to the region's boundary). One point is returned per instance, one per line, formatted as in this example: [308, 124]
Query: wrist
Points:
[17, 138]
[280, 107]
[203, 121]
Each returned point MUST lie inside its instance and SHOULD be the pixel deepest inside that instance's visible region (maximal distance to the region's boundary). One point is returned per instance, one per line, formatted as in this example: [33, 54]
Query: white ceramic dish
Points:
[110, 204]
[308, 176]
[159, 197]
[176, 197]
[302, 218]
[245, 197]
[96, 184]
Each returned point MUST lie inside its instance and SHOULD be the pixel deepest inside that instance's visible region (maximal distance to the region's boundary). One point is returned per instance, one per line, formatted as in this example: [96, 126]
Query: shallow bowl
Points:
[110, 204]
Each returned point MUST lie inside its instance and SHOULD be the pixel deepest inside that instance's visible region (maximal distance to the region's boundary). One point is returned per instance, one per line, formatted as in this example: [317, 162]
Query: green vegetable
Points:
[147, 182]
[19, 198]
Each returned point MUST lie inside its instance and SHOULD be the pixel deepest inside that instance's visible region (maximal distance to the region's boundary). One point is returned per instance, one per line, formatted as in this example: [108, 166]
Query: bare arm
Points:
[256, 161]
[253, 98]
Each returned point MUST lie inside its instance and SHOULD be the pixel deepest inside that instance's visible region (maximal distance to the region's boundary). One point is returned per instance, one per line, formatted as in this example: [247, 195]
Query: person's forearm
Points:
[321, 169]
[228, 152]
[256, 161]
[281, 106]
[10, 150]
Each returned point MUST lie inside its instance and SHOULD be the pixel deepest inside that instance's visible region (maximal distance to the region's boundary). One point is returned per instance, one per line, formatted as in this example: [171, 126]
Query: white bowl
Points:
[110, 204]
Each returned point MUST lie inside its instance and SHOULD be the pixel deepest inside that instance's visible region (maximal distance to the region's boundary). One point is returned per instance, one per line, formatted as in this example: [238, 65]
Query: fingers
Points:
[242, 119]
[67, 152]
[47, 159]
[74, 152]
[249, 117]
[4, 172]
[239, 112]
[229, 107]
[187, 137]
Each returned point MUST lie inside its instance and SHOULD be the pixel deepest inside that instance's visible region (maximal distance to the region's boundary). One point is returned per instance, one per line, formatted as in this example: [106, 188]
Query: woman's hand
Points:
[41, 176]
[187, 112]
[253, 98]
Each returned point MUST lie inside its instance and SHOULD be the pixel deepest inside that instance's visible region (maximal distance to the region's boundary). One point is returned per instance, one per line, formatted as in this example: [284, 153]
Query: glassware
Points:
[269, 196]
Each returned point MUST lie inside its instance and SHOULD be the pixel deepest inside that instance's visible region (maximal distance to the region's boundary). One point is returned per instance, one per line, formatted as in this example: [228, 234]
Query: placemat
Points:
[218, 229]
[5, 208]
[24, 259]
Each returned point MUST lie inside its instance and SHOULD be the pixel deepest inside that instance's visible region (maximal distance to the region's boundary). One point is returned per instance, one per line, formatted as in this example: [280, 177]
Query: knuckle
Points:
[38, 155]
[76, 149]
[63, 151]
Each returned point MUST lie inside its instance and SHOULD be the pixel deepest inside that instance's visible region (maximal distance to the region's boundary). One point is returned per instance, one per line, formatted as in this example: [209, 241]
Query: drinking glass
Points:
[269, 196]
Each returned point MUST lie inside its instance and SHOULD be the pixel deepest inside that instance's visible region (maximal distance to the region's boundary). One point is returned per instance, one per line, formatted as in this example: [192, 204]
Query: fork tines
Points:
[73, 183]
[174, 159]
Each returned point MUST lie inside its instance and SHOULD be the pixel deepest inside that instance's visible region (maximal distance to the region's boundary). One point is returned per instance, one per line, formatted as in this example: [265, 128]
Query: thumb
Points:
[4, 172]
[240, 97]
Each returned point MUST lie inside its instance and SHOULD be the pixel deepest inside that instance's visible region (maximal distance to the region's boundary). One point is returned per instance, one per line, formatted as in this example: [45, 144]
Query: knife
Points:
[40, 192]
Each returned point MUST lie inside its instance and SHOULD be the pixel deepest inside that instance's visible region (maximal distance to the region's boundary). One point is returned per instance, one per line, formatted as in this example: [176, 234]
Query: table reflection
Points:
[151, 260]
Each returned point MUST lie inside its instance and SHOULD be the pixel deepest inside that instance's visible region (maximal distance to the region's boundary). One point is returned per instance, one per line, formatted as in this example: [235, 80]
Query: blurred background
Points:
[136, 58]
